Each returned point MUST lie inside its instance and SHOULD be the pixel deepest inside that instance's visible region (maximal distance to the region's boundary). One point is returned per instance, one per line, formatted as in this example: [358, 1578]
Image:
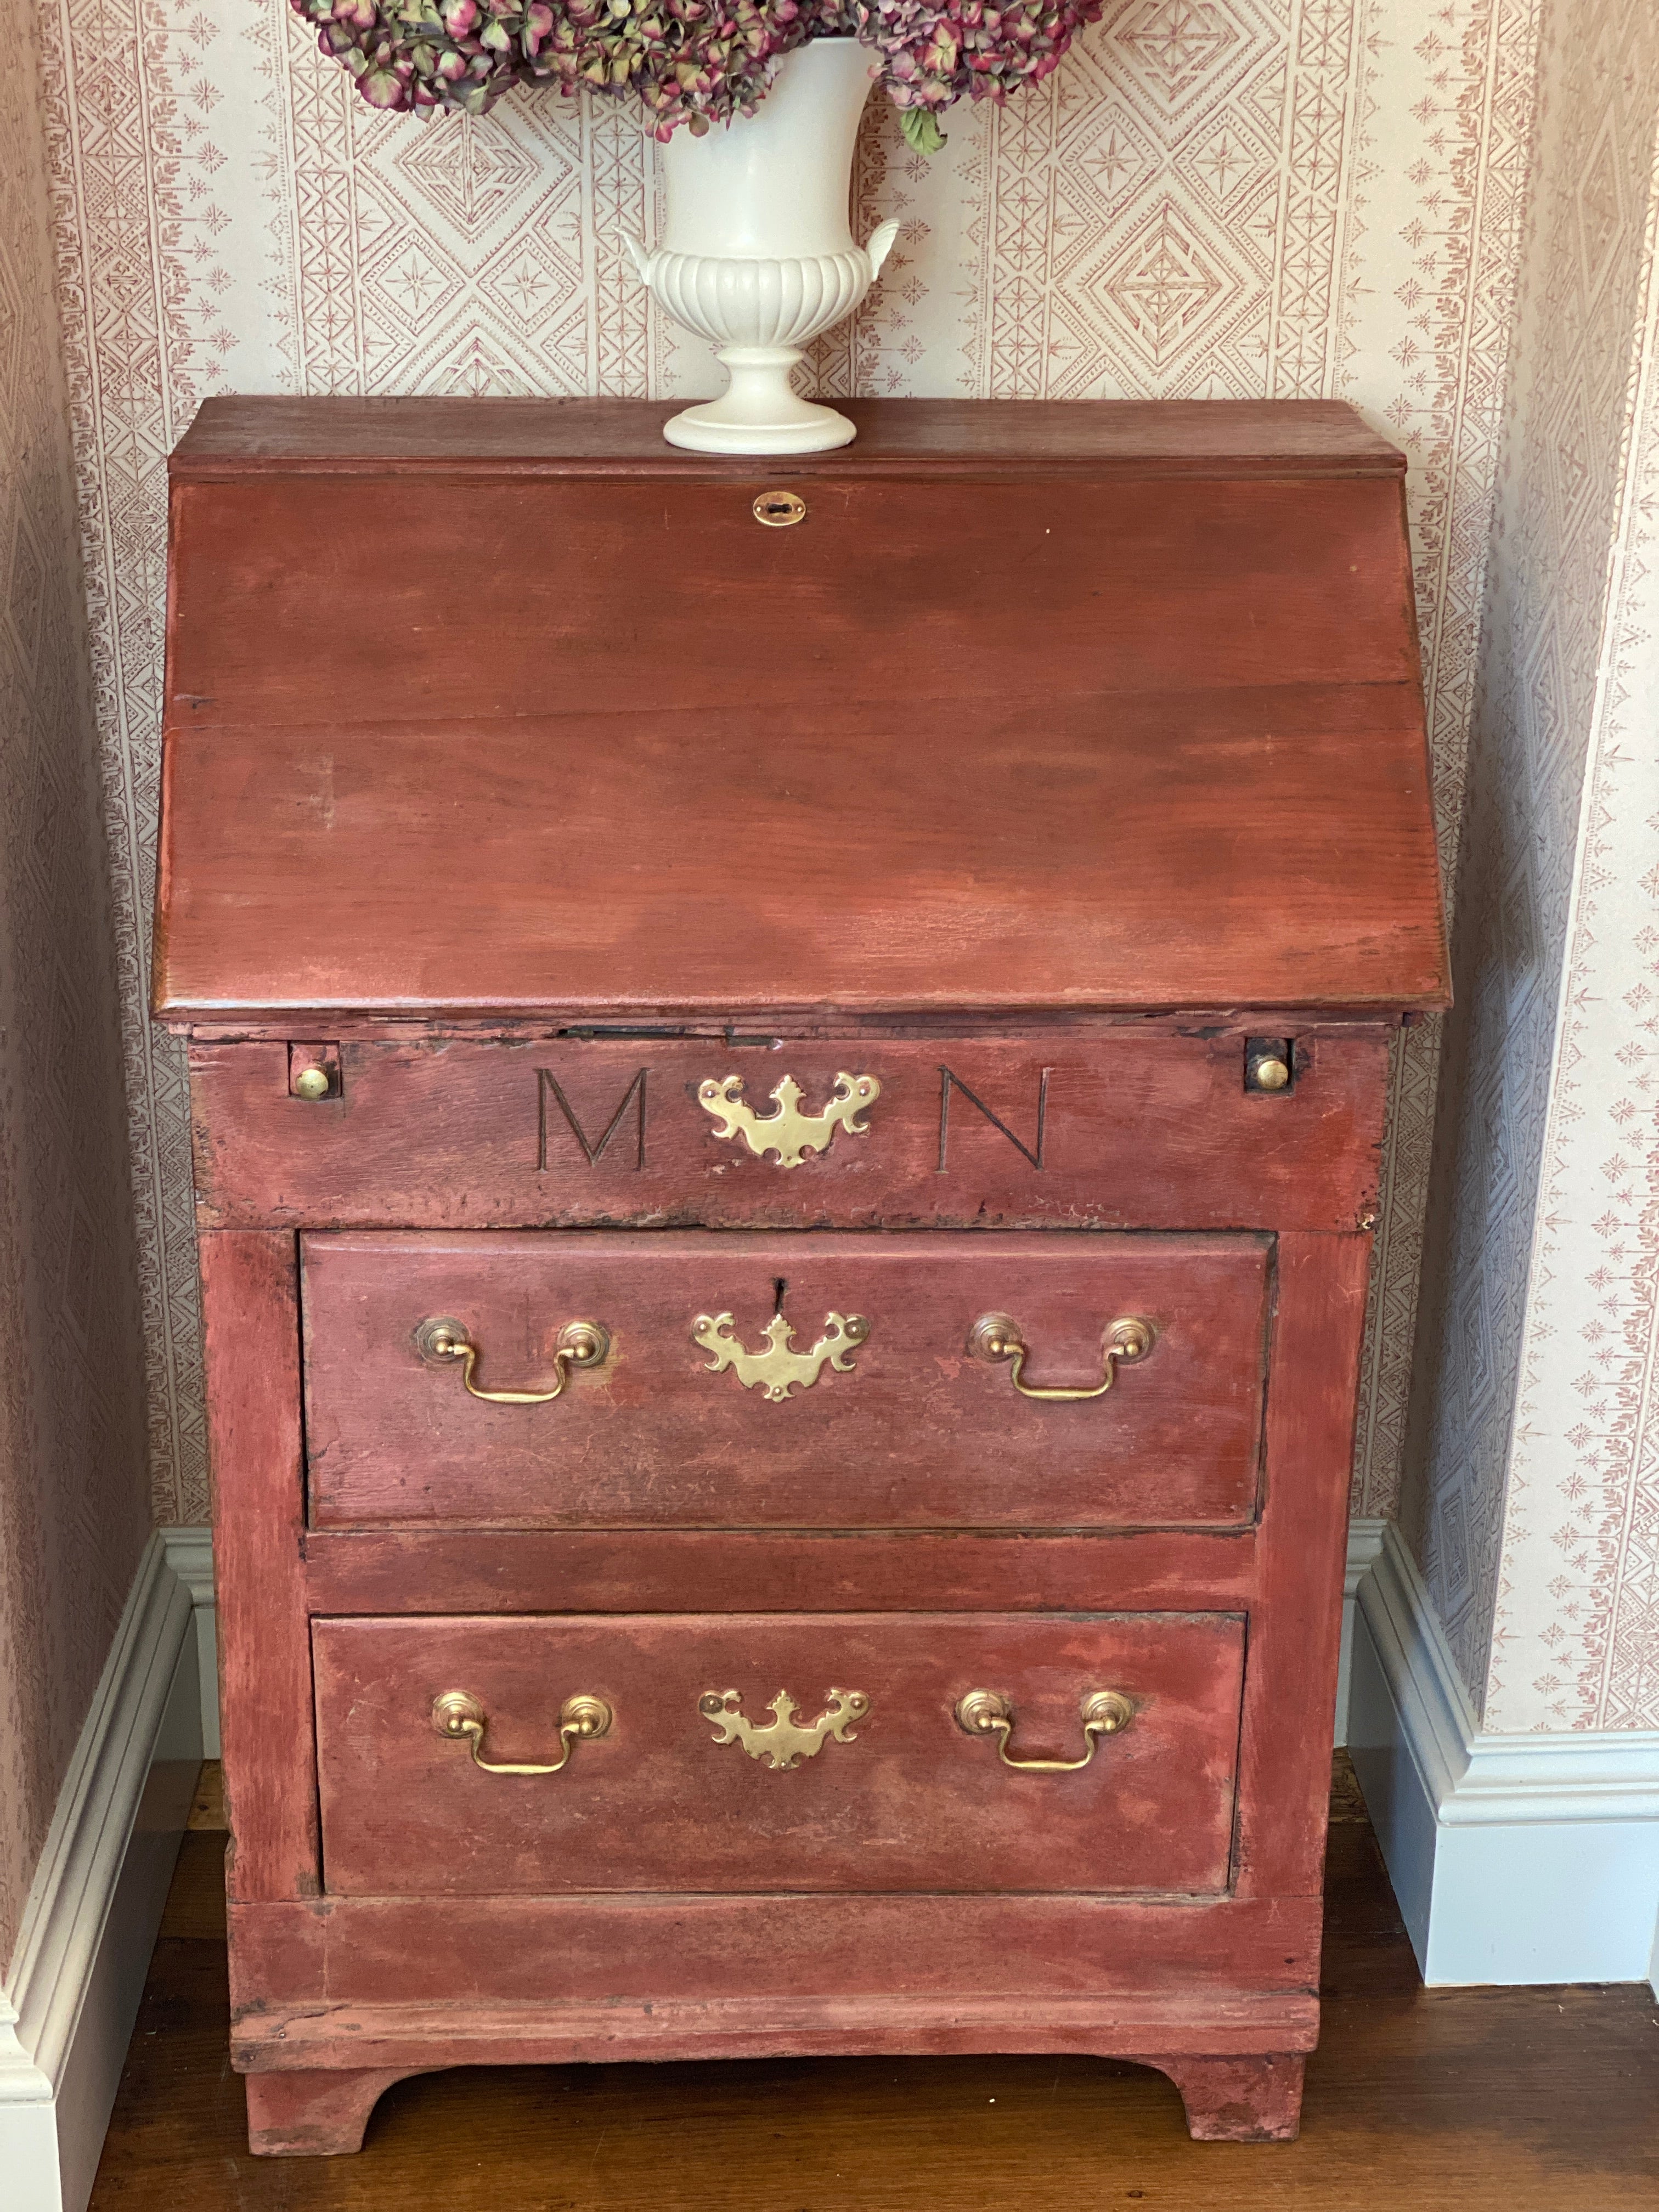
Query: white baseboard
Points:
[1514, 1858]
[190, 1555]
[71, 1992]
[1364, 1544]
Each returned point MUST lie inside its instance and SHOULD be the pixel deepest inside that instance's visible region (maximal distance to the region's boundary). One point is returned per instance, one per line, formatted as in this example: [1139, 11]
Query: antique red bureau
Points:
[787, 1066]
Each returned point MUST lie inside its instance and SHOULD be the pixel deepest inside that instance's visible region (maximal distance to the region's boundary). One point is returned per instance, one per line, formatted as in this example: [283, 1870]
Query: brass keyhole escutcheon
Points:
[778, 509]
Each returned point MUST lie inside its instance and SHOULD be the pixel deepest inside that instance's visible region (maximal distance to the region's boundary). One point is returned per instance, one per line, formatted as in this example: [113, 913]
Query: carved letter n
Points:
[949, 1083]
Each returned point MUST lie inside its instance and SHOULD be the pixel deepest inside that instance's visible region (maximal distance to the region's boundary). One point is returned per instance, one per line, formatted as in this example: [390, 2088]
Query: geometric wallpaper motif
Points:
[1575, 1606]
[1289, 196]
[1433, 218]
[1527, 1494]
[1168, 217]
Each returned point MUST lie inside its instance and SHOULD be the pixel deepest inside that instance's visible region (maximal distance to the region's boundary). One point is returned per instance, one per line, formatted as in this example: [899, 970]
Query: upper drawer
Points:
[1140, 1127]
[665, 1798]
[696, 1413]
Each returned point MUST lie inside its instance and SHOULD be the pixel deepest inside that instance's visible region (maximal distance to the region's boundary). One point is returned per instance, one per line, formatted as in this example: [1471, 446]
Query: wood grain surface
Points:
[591, 1973]
[1277, 598]
[915, 1432]
[238, 436]
[251, 1318]
[1147, 1126]
[1078, 729]
[1296, 1609]
[420, 1571]
[977, 852]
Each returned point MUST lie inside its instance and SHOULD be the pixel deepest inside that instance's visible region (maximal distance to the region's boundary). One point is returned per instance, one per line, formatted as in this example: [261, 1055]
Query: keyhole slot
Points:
[778, 509]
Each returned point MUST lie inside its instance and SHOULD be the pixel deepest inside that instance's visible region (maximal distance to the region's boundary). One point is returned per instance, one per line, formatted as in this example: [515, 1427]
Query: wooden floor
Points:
[1480, 2101]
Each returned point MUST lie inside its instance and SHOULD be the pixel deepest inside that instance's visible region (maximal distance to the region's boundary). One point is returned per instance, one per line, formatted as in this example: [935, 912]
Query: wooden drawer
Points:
[1144, 1126]
[669, 1798]
[912, 1431]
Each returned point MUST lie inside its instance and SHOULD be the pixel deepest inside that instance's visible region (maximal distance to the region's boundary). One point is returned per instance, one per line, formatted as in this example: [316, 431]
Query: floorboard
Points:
[1483, 2100]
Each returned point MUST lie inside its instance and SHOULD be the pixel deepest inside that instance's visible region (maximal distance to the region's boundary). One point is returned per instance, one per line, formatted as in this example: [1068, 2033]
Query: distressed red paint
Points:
[1093, 748]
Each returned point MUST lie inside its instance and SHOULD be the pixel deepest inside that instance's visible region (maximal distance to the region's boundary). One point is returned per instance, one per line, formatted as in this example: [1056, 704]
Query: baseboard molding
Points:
[190, 1555]
[1364, 1545]
[1514, 1858]
[71, 1992]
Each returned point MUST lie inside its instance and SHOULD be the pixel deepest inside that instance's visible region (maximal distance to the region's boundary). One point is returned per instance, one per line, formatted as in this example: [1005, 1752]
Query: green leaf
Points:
[920, 128]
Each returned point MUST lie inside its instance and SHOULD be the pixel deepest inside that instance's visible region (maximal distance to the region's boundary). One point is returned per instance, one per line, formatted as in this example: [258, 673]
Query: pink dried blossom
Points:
[690, 62]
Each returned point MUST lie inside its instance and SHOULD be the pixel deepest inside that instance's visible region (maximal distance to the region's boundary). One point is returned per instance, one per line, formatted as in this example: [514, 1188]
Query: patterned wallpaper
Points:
[73, 1509]
[1574, 1640]
[1533, 1492]
[1212, 196]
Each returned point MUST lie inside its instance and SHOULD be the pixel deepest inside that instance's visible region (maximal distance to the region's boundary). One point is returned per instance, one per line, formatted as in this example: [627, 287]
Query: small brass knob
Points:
[455, 1712]
[1131, 1339]
[1272, 1074]
[584, 1344]
[585, 1716]
[312, 1083]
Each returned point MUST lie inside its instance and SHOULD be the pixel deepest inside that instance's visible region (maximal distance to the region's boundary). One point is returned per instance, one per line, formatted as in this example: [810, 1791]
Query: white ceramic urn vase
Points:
[757, 253]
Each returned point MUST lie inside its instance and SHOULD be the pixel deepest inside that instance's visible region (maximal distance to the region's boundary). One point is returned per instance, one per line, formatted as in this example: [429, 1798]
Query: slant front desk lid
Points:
[482, 708]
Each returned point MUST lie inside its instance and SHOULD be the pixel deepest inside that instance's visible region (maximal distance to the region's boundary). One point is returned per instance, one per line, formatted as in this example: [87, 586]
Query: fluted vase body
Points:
[757, 252]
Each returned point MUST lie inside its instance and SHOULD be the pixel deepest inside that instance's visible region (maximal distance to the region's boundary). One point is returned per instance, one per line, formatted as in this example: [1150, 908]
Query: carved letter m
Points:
[546, 1081]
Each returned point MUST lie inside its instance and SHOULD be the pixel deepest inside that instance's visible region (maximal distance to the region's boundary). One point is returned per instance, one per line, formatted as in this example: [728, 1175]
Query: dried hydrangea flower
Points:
[932, 55]
[695, 62]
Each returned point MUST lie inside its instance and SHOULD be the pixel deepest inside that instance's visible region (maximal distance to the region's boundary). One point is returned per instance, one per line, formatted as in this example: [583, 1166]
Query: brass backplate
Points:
[778, 510]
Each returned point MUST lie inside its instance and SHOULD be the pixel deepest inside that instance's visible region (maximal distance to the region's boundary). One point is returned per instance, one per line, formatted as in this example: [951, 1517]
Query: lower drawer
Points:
[764, 1753]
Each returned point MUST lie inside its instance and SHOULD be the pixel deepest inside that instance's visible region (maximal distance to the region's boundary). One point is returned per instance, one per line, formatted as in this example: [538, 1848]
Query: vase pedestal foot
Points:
[760, 412]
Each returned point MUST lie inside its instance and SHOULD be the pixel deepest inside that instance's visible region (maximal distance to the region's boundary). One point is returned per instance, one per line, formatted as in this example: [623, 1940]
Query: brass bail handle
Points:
[581, 1344]
[988, 1712]
[998, 1336]
[460, 1717]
